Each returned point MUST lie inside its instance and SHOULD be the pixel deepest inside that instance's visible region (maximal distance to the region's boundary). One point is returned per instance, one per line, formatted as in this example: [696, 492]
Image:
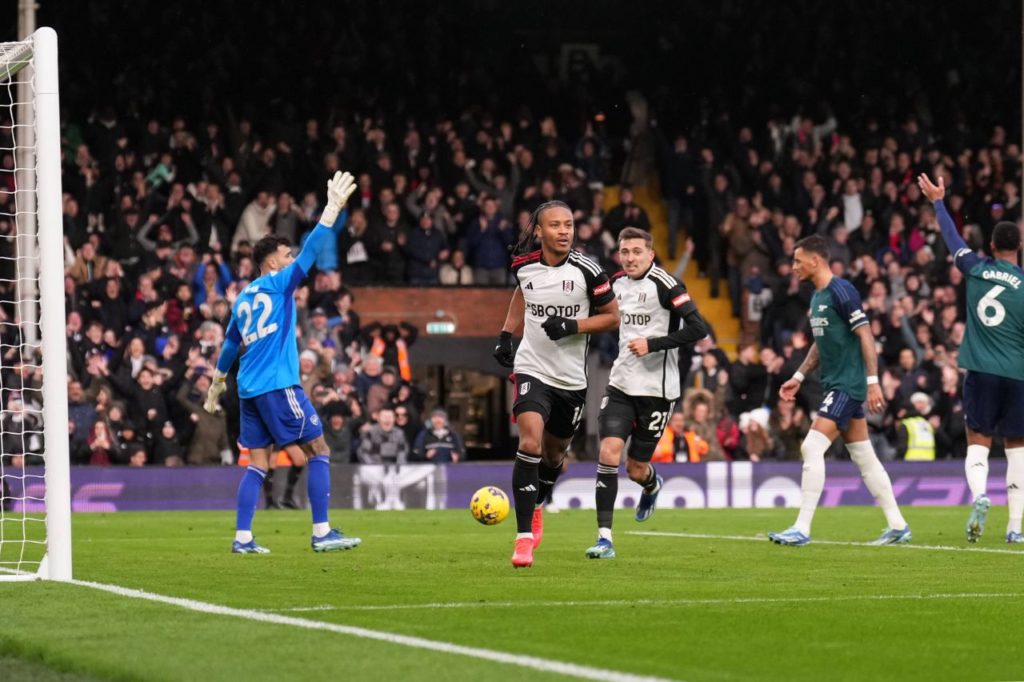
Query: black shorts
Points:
[838, 406]
[638, 419]
[994, 405]
[562, 409]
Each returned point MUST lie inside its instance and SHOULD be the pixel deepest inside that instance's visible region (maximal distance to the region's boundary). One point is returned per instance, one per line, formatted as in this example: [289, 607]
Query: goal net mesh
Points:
[22, 452]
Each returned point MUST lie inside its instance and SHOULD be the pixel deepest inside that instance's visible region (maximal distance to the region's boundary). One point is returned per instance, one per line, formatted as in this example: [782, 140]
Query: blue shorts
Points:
[280, 417]
[841, 408]
[994, 405]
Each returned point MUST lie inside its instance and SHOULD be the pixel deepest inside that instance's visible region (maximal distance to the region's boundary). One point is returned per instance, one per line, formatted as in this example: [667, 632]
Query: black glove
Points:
[559, 327]
[503, 352]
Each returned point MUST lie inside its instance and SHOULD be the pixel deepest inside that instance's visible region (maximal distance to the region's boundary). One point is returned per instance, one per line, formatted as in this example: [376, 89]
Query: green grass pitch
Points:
[683, 608]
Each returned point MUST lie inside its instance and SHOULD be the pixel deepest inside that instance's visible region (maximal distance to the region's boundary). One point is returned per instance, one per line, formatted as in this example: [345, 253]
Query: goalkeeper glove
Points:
[503, 352]
[559, 327]
[339, 189]
[217, 386]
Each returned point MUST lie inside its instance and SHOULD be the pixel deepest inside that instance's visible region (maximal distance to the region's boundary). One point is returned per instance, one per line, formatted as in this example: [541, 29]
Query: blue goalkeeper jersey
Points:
[263, 323]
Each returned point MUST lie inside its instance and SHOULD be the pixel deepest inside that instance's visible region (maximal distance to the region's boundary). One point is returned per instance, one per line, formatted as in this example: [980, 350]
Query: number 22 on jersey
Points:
[263, 306]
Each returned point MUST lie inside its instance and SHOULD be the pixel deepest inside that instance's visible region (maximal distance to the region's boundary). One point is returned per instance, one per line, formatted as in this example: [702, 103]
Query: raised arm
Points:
[339, 189]
[963, 257]
[907, 333]
[143, 235]
[478, 184]
[314, 243]
[190, 227]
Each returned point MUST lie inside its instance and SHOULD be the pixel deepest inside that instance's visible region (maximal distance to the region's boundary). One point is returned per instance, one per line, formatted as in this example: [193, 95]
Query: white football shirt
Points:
[648, 307]
[574, 289]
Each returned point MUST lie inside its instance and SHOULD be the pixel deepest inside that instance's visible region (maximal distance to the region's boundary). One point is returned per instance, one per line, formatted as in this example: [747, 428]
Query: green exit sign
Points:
[440, 327]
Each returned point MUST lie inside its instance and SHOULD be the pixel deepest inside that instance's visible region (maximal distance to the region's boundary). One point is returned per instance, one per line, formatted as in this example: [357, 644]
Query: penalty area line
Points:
[523, 661]
[762, 538]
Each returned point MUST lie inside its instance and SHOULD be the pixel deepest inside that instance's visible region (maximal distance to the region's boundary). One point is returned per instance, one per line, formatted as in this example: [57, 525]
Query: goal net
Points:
[35, 505]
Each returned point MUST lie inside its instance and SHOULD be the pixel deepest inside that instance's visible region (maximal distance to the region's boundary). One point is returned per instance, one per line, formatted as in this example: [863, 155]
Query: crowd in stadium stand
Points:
[858, 188]
[161, 213]
[160, 226]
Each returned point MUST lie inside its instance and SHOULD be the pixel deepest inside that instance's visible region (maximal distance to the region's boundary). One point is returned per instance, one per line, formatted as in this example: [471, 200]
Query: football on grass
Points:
[489, 505]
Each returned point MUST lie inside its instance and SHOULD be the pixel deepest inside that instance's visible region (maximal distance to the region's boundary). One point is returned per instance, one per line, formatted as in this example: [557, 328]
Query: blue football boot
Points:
[602, 549]
[791, 537]
[248, 547]
[645, 507]
[976, 521]
[335, 540]
[891, 536]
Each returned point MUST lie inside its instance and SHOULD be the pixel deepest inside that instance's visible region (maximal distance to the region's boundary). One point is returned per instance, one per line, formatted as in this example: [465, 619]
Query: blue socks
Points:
[248, 494]
[318, 487]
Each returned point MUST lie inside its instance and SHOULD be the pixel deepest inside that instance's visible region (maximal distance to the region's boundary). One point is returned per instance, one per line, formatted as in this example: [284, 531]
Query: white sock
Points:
[606, 533]
[976, 468]
[1015, 487]
[520, 536]
[321, 529]
[812, 482]
[243, 536]
[877, 481]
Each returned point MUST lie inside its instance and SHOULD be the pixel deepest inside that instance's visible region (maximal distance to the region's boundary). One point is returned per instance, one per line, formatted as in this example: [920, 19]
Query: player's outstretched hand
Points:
[789, 390]
[876, 401]
[217, 387]
[503, 352]
[933, 192]
[559, 327]
[339, 189]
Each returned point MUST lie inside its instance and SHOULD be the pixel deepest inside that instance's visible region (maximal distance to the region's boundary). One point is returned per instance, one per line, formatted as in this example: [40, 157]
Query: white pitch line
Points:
[658, 602]
[763, 538]
[523, 661]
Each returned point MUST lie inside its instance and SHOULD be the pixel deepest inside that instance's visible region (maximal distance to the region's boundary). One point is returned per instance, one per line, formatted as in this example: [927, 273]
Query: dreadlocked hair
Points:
[527, 240]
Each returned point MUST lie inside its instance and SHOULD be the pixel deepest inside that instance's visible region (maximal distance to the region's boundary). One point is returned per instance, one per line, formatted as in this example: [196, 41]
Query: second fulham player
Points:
[657, 317]
[562, 297]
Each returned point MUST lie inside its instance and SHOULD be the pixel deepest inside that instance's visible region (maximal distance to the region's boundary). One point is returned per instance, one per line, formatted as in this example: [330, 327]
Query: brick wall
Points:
[475, 311]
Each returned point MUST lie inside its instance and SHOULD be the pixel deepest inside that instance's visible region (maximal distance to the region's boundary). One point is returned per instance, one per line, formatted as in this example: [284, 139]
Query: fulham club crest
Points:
[568, 286]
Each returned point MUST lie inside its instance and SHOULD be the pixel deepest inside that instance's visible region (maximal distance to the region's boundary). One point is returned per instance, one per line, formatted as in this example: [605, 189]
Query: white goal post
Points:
[35, 499]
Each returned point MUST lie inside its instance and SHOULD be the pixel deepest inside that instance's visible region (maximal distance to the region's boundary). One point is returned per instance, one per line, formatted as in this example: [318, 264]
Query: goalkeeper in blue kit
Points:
[274, 408]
